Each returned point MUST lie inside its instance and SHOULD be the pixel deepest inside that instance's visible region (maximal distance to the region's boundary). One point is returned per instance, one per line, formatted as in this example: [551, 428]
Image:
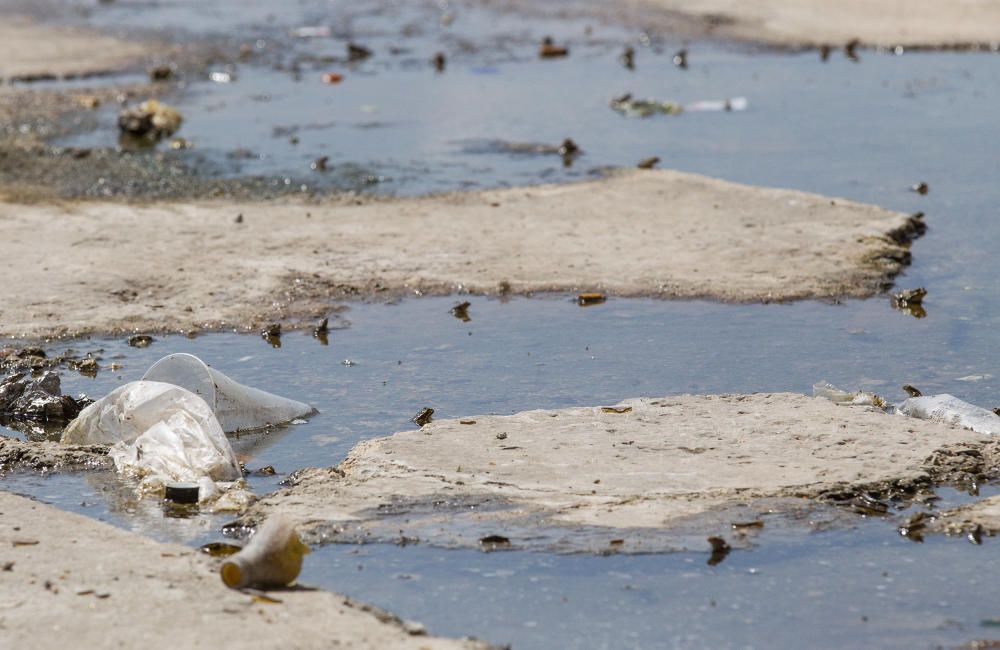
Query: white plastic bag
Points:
[127, 412]
[184, 447]
[950, 409]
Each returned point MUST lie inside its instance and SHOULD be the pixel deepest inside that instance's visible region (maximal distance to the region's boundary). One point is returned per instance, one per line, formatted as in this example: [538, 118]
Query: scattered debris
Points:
[220, 549]
[501, 436]
[857, 398]
[221, 77]
[181, 492]
[319, 165]
[851, 50]
[648, 163]
[747, 525]
[914, 527]
[616, 409]
[920, 188]
[356, 52]
[39, 399]
[266, 470]
[910, 301]
[588, 299]
[272, 334]
[423, 417]
[494, 543]
[150, 120]
[461, 311]
[627, 105]
[272, 558]
[348, 362]
[824, 53]
[911, 391]
[161, 73]
[680, 59]
[466, 421]
[720, 549]
[320, 331]
[332, 78]
[627, 58]
[140, 341]
[549, 50]
[438, 61]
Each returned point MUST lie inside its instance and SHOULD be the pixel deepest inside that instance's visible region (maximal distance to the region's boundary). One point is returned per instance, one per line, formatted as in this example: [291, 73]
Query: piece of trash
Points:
[140, 341]
[720, 549]
[438, 61]
[150, 120]
[911, 391]
[161, 73]
[494, 542]
[851, 50]
[746, 525]
[181, 492]
[549, 50]
[319, 165]
[332, 78]
[312, 31]
[616, 409]
[220, 77]
[501, 436]
[714, 105]
[461, 311]
[272, 558]
[648, 163]
[920, 188]
[37, 399]
[220, 549]
[466, 421]
[857, 398]
[272, 334]
[629, 106]
[356, 52]
[974, 377]
[914, 527]
[423, 417]
[627, 58]
[950, 409]
[587, 299]
[910, 301]
[23, 542]
[348, 363]
[680, 59]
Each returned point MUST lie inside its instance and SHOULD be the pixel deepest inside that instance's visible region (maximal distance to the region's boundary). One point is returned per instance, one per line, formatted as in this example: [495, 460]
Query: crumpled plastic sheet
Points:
[942, 408]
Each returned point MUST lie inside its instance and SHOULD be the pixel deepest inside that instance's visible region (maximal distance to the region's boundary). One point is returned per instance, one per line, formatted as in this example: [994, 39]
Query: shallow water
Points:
[865, 131]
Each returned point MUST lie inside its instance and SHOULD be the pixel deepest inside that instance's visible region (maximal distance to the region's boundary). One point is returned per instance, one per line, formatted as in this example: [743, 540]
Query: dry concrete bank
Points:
[29, 50]
[69, 581]
[643, 475]
[106, 267]
[798, 23]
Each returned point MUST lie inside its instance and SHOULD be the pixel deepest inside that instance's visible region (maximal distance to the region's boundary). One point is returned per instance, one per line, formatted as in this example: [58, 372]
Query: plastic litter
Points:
[838, 396]
[237, 407]
[633, 107]
[272, 558]
[182, 447]
[950, 409]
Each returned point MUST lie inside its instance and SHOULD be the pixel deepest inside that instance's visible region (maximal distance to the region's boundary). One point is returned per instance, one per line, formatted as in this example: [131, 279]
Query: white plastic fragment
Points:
[272, 558]
[950, 409]
[237, 407]
[129, 411]
[182, 447]
[838, 396]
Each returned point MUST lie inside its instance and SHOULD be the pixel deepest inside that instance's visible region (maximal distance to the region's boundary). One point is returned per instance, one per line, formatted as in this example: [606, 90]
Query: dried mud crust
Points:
[19, 454]
[81, 581]
[926, 24]
[666, 234]
[666, 471]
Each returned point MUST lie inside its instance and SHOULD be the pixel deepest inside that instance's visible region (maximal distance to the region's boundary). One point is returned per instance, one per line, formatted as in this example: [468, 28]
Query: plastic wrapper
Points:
[272, 558]
[129, 411]
[182, 447]
[856, 398]
[950, 409]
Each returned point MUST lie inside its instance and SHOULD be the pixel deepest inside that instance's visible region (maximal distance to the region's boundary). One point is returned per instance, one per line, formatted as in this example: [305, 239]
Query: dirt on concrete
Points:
[812, 23]
[573, 479]
[70, 581]
[667, 234]
[32, 51]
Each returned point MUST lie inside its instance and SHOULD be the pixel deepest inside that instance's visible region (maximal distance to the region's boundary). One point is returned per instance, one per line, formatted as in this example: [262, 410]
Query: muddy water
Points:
[866, 131]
